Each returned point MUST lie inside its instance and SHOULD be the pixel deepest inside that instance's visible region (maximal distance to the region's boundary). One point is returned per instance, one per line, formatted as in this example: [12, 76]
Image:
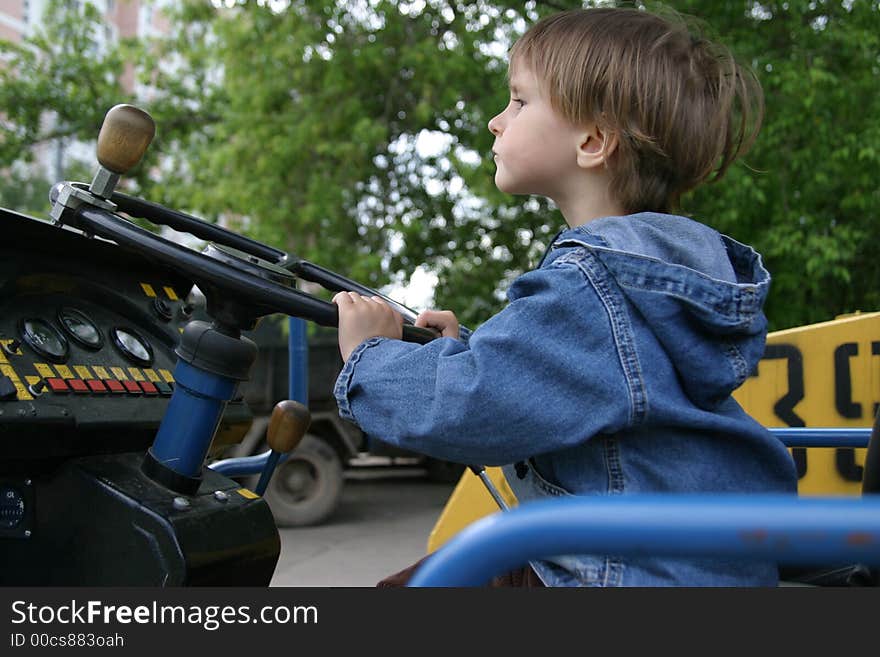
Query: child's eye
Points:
[517, 101]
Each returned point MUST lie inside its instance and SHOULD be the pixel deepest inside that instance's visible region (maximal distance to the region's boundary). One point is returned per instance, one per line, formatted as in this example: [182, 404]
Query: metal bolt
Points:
[27, 533]
[27, 482]
[180, 503]
[220, 496]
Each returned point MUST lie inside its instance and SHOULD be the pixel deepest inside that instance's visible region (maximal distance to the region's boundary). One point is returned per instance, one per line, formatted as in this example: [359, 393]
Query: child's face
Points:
[535, 148]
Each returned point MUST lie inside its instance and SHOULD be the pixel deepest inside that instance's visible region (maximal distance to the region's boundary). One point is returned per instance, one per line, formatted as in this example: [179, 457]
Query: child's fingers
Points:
[425, 318]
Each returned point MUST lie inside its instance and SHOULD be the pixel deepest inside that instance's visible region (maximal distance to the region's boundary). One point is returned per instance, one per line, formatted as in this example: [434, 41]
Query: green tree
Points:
[315, 133]
[57, 83]
[808, 196]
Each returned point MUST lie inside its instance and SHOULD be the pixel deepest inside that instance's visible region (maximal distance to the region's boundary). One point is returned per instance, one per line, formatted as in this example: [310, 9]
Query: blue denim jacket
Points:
[610, 372]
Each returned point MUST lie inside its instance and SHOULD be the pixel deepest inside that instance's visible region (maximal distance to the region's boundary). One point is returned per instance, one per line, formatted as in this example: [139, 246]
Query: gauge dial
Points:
[45, 339]
[11, 507]
[133, 346]
[82, 329]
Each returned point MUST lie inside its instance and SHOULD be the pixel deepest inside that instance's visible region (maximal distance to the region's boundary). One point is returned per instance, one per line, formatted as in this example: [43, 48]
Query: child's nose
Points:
[495, 125]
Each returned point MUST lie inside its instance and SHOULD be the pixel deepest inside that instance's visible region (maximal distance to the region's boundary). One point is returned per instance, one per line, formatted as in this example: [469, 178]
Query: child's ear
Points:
[595, 146]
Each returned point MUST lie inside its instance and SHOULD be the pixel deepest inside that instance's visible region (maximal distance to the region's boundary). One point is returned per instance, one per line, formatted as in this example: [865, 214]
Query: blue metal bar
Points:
[245, 465]
[781, 528]
[191, 420]
[792, 437]
[822, 437]
[272, 459]
[298, 359]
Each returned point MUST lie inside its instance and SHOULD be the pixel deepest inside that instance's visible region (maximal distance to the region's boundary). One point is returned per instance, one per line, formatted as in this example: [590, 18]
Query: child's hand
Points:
[444, 321]
[363, 317]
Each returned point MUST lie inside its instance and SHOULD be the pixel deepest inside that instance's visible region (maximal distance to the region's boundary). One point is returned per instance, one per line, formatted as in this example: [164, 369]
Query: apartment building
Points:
[122, 18]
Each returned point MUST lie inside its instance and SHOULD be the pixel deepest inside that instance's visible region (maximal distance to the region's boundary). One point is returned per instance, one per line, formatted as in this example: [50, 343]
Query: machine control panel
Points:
[87, 339]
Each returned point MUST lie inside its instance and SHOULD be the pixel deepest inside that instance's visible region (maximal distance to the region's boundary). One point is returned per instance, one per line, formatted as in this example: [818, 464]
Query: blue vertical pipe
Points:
[192, 418]
[298, 359]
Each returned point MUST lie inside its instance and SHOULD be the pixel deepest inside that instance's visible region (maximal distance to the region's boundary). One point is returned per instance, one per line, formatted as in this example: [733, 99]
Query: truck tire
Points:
[307, 487]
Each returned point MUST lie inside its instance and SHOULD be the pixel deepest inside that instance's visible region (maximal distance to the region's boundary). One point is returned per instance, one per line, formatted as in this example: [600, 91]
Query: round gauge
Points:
[45, 339]
[133, 346]
[82, 329]
[11, 507]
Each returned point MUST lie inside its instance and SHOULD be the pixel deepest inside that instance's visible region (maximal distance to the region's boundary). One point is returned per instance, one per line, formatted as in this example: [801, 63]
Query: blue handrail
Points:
[790, 436]
[781, 528]
[822, 437]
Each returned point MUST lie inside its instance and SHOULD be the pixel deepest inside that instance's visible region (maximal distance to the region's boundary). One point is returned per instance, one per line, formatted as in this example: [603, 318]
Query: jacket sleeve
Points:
[541, 375]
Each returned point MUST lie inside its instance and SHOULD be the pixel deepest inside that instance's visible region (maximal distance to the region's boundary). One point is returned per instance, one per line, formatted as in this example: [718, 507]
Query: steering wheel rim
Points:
[260, 295]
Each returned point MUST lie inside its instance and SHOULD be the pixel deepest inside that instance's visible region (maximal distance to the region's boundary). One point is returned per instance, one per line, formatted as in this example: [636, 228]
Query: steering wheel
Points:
[242, 279]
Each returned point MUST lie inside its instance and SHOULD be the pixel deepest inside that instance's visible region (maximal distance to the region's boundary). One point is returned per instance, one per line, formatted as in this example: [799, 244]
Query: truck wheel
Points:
[306, 489]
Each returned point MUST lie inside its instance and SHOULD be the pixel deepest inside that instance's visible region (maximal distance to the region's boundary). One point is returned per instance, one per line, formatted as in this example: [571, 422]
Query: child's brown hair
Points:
[681, 106]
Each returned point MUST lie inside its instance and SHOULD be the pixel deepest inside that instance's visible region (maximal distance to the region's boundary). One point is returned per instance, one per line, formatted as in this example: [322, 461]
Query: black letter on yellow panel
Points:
[784, 408]
[845, 457]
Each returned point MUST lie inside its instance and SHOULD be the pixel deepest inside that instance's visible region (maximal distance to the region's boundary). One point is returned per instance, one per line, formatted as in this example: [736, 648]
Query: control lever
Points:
[480, 471]
[287, 427]
[125, 135]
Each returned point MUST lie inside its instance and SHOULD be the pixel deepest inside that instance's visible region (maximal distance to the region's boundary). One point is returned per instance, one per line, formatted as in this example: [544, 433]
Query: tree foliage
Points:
[354, 134]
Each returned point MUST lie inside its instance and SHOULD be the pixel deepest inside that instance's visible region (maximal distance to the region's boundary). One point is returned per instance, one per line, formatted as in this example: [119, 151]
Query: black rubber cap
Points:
[204, 346]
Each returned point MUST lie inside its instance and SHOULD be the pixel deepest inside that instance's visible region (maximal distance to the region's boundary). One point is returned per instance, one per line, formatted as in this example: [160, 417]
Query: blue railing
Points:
[790, 436]
[781, 528]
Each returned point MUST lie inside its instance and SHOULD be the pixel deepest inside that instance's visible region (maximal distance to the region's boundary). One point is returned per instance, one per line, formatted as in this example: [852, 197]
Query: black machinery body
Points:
[87, 339]
[112, 396]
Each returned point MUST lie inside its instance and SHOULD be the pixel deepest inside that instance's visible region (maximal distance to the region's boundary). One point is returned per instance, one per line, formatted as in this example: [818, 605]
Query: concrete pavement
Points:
[381, 526]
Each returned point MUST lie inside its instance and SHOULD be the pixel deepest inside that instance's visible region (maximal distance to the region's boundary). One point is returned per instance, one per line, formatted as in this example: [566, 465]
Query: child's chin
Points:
[505, 185]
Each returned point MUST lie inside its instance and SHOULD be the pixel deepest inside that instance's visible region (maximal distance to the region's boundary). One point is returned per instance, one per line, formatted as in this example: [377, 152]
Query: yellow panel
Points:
[100, 372]
[64, 372]
[151, 375]
[119, 373]
[82, 371]
[820, 375]
[169, 291]
[148, 289]
[3, 356]
[167, 376]
[469, 502]
[244, 492]
[136, 374]
[44, 370]
[20, 388]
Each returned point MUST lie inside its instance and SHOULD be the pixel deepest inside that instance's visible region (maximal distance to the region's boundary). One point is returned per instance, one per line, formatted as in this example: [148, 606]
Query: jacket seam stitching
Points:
[621, 331]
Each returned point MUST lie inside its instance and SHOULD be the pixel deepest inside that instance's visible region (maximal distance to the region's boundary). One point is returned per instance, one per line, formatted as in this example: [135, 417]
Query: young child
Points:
[610, 372]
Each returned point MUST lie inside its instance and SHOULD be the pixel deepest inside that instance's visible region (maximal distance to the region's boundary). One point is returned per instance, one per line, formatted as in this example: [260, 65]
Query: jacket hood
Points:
[701, 294]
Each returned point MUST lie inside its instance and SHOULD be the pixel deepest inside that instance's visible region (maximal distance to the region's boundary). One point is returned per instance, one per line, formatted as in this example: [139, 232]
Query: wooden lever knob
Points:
[125, 135]
[288, 425]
